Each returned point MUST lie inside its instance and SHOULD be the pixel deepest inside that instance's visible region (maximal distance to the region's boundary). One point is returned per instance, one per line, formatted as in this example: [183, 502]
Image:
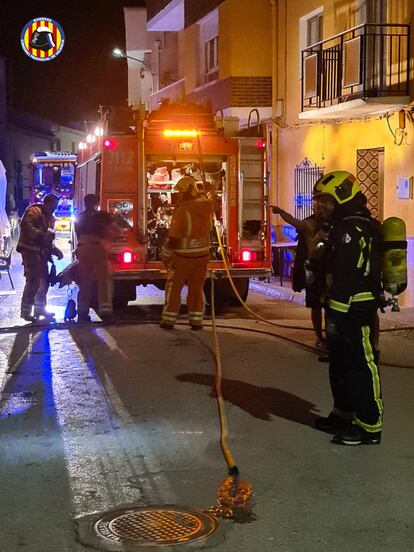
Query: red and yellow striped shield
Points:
[47, 34]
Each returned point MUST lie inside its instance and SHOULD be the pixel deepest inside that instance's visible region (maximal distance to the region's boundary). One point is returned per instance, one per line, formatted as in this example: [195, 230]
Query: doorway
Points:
[370, 174]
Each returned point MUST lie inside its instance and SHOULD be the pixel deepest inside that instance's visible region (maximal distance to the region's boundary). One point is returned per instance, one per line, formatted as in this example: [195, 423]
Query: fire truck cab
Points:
[53, 172]
[133, 163]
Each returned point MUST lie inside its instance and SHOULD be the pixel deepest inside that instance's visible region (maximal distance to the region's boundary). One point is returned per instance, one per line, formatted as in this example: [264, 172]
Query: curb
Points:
[285, 294]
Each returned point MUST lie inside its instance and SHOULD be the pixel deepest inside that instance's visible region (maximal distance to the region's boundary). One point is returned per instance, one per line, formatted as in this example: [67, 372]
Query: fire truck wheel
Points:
[223, 292]
[123, 292]
[242, 286]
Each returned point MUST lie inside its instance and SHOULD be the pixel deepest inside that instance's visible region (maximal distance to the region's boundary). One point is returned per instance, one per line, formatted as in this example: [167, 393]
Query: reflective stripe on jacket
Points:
[355, 265]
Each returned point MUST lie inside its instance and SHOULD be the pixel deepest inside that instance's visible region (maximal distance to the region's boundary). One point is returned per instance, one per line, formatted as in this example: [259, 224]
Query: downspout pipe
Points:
[274, 164]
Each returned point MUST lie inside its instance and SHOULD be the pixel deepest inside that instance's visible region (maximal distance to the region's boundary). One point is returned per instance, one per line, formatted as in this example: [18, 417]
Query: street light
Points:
[117, 52]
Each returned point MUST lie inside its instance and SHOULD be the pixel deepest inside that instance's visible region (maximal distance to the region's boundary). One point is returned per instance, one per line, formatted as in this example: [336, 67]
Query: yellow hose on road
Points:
[233, 495]
[220, 401]
[226, 267]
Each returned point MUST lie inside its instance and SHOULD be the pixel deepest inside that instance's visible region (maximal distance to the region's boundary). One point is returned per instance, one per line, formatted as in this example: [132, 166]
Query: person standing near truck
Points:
[95, 230]
[311, 231]
[36, 246]
[186, 254]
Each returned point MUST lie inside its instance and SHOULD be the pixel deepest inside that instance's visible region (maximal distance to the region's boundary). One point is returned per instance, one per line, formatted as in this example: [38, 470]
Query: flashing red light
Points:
[260, 144]
[127, 257]
[246, 255]
[108, 143]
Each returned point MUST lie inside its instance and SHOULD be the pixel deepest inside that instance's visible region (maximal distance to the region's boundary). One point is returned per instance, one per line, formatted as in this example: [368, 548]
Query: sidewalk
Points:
[273, 288]
[397, 328]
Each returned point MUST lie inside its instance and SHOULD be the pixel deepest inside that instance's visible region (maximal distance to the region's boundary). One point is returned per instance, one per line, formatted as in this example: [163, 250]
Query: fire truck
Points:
[133, 161]
[54, 172]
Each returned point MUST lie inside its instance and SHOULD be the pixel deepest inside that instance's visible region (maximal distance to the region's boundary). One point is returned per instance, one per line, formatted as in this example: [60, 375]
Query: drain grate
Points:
[155, 526]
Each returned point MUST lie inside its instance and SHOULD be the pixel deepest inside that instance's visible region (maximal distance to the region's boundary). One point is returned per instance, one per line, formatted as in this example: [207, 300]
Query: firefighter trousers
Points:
[181, 271]
[94, 268]
[353, 368]
[37, 283]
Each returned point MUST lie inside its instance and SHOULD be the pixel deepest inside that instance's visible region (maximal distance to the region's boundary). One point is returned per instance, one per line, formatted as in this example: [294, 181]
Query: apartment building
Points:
[209, 50]
[345, 84]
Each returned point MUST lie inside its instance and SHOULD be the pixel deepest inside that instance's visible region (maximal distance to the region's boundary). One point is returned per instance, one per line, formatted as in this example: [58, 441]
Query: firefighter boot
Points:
[355, 435]
[330, 424]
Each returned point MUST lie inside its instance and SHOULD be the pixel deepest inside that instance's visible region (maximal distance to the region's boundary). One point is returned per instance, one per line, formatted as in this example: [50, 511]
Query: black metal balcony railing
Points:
[368, 61]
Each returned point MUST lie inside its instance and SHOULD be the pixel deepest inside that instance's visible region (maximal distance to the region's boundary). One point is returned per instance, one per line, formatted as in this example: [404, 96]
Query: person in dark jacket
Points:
[36, 246]
[95, 231]
[311, 231]
[356, 417]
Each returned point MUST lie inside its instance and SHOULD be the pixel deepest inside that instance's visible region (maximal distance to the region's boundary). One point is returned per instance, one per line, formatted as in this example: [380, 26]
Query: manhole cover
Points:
[155, 526]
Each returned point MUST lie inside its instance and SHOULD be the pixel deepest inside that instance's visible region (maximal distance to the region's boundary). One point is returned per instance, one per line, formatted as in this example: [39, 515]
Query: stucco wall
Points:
[335, 147]
[244, 38]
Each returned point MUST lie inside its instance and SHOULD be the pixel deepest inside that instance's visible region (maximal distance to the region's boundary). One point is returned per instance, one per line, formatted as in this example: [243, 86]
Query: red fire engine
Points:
[133, 163]
[53, 172]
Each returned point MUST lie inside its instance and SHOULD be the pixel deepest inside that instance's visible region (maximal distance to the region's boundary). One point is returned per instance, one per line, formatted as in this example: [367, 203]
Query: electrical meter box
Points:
[405, 187]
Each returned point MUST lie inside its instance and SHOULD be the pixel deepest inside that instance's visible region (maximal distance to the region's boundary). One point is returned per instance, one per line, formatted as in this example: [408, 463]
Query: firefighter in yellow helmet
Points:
[186, 254]
[354, 291]
[37, 245]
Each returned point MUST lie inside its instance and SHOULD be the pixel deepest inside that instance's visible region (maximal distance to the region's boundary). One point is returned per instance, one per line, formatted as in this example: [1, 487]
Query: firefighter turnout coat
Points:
[36, 247]
[189, 249]
[353, 301]
[93, 250]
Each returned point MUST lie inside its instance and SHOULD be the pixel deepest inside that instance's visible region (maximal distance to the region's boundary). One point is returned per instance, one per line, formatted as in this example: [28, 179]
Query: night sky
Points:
[84, 75]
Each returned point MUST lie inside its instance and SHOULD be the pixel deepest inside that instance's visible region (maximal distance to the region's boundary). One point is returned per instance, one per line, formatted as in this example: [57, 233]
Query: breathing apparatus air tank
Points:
[394, 256]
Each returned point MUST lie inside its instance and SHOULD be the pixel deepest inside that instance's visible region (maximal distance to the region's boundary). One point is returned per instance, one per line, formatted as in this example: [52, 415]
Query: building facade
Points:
[210, 50]
[333, 80]
[345, 84]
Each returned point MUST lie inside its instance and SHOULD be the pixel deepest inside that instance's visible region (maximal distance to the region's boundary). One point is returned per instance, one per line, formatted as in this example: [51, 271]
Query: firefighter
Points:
[95, 231]
[36, 246]
[186, 254]
[356, 417]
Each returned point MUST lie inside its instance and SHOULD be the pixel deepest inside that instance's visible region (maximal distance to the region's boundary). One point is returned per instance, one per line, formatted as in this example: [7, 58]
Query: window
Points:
[208, 49]
[314, 31]
[310, 32]
[211, 58]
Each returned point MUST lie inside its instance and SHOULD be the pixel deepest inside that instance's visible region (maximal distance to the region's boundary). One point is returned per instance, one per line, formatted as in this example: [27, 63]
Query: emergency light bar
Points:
[47, 156]
[173, 133]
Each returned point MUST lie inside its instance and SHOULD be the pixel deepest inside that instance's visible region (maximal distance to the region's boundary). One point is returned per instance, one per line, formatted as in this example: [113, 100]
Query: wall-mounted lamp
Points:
[400, 133]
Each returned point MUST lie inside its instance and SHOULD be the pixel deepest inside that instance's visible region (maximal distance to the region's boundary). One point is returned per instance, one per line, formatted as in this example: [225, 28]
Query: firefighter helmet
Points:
[42, 39]
[341, 185]
[187, 185]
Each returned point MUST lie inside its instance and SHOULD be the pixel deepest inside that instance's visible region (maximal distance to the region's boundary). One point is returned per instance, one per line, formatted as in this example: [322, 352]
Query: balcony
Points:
[174, 91]
[165, 15]
[361, 72]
